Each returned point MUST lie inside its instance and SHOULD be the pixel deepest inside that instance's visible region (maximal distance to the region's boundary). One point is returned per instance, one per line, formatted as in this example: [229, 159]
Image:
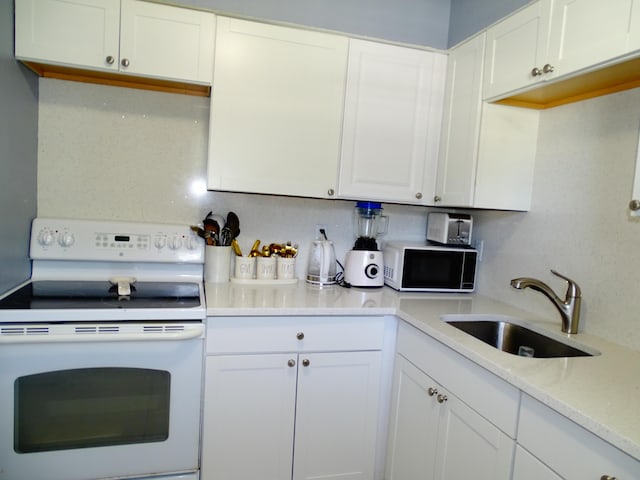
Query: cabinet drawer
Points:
[281, 334]
[490, 396]
[569, 449]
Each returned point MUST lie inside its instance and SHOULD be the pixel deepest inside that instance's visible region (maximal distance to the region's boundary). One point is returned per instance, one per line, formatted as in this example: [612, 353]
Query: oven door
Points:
[95, 401]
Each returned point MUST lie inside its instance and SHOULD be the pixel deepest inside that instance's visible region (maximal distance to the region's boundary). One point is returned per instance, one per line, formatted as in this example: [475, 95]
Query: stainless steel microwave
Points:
[418, 267]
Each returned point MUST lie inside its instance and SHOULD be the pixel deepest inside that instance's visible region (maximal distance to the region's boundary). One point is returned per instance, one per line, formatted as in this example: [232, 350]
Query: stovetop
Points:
[68, 294]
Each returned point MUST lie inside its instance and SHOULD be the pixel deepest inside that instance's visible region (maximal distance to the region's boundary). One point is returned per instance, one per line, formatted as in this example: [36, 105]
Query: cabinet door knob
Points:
[548, 68]
[607, 477]
[441, 398]
[306, 362]
[291, 362]
[437, 198]
[110, 60]
[300, 335]
[634, 205]
[432, 391]
[418, 195]
[536, 72]
[331, 192]
[125, 62]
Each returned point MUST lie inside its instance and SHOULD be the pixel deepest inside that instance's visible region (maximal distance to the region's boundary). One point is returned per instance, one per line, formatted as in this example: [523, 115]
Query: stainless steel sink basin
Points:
[517, 339]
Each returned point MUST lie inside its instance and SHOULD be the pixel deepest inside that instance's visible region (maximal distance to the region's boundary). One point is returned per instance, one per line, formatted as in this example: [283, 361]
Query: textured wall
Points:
[578, 223]
[117, 153]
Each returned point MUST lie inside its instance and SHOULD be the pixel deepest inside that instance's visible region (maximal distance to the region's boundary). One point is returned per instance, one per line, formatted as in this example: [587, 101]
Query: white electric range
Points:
[101, 354]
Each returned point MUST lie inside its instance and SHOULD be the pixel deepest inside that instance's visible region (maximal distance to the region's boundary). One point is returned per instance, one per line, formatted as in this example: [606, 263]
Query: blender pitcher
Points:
[370, 224]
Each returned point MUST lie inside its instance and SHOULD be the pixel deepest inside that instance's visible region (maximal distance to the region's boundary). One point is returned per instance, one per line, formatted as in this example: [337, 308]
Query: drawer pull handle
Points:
[441, 398]
[300, 335]
[432, 391]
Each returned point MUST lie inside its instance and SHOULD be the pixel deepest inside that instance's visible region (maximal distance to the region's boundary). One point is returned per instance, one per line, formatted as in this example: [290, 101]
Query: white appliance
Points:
[419, 267]
[101, 354]
[449, 228]
[363, 264]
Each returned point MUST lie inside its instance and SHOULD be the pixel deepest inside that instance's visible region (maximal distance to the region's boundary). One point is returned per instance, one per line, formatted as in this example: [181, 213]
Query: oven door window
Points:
[90, 407]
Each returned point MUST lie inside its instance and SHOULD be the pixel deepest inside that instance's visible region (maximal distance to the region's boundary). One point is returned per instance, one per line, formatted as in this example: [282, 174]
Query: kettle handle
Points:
[326, 260]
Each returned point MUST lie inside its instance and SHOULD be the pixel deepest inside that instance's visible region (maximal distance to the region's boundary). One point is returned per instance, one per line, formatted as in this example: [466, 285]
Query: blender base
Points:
[364, 268]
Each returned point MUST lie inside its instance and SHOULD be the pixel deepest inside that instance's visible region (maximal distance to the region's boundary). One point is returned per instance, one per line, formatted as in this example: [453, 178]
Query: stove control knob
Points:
[192, 242]
[66, 239]
[175, 242]
[45, 237]
[160, 241]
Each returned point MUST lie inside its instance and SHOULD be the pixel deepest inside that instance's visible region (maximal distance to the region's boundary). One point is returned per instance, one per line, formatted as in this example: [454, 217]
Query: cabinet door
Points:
[249, 408]
[584, 33]
[276, 109]
[461, 125]
[68, 32]
[514, 47]
[392, 119]
[469, 446]
[336, 415]
[166, 42]
[413, 429]
[528, 467]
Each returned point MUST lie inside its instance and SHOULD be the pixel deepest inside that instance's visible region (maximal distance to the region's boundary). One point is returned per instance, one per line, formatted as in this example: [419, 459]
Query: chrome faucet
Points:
[569, 308]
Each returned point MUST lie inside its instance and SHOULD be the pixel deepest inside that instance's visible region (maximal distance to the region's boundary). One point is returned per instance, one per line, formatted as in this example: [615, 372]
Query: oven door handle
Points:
[54, 336]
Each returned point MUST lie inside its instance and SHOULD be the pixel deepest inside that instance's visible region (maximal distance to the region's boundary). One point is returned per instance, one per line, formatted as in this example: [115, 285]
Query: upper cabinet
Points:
[392, 121]
[487, 151]
[551, 41]
[276, 109]
[131, 37]
[515, 47]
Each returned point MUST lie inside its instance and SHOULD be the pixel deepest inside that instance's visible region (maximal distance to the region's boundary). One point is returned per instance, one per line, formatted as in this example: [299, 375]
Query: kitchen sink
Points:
[517, 339]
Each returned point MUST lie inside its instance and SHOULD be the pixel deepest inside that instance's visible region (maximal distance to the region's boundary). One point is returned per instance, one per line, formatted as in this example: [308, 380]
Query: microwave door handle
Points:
[101, 337]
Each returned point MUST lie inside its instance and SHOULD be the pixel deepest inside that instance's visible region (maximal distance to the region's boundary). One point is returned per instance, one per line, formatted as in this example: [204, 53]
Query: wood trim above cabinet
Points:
[118, 80]
[582, 86]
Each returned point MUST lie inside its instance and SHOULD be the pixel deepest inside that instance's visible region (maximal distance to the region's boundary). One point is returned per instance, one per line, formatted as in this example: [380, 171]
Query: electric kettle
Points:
[321, 269]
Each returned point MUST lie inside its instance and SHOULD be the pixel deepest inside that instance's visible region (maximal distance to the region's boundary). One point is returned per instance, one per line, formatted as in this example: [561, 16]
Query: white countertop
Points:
[600, 393]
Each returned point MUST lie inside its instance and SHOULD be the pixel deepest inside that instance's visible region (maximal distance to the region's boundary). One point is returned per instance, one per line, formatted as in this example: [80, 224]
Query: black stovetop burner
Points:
[57, 294]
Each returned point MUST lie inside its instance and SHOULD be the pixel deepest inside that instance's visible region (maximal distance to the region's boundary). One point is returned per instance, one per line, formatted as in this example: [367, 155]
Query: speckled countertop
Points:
[600, 393]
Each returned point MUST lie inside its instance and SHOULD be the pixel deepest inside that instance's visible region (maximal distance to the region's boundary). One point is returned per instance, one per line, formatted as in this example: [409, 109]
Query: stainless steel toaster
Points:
[449, 228]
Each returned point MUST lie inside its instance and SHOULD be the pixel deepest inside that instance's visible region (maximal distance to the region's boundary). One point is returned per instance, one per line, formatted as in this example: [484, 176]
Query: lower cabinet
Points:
[572, 453]
[528, 467]
[435, 435]
[444, 415]
[295, 414]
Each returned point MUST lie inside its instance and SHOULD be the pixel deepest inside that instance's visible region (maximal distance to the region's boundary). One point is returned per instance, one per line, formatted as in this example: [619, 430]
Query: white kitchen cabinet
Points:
[528, 467]
[287, 395]
[554, 39]
[121, 36]
[449, 417]
[487, 152]
[634, 203]
[585, 33]
[433, 430]
[276, 109]
[392, 119]
[597, 459]
[515, 46]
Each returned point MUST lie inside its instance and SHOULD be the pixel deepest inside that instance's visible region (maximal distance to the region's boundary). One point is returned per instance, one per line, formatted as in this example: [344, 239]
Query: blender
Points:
[363, 266]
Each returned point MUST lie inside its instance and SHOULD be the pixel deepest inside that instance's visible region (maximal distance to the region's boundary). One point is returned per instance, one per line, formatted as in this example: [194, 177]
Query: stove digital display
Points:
[122, 238]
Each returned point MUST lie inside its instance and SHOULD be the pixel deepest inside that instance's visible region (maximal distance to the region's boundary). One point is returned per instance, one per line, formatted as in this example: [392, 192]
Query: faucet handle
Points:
[573, 290]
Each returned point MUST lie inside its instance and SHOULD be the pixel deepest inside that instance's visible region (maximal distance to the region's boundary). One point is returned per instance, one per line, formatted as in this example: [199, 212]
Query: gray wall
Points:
[420, 22]
[18, 154]
[471, 16]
